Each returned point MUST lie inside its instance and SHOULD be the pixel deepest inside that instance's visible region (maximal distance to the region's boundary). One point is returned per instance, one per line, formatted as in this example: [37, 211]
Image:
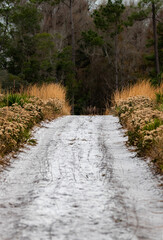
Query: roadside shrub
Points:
[13, 98]
[51, 94]
[159, 97]
[144, 122]
[141, 88]
[20, 112]
[159, 100]
[155, 124]
[15, 123]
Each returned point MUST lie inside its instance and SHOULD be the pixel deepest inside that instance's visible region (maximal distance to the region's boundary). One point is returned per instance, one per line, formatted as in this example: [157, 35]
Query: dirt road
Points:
[80, 182]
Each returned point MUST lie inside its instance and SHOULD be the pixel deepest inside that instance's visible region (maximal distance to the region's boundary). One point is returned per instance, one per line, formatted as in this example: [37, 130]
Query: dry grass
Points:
[144, 122]
[66, 109]
[46, 91]
[19, 113]
[141, 88]
[51, 91]
[139, 108]
[15, 123]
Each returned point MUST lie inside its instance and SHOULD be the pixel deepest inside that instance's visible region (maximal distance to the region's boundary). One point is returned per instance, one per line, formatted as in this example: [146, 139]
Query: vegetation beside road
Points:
[92, 47]
[20, 112]
[140, 109]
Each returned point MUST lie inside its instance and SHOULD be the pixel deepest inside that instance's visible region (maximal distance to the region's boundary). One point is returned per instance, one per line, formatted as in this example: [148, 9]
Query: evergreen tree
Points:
[108, 19]
[146, 9]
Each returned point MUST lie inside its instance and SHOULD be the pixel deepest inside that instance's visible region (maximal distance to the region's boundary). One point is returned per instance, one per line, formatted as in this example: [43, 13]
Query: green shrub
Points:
[155, 124]
[160, 107]
[134, 136]
[2, 104]
[12, 98]
[159, 98]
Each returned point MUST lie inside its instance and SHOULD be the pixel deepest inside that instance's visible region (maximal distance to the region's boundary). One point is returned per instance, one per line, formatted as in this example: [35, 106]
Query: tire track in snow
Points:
[80, 182]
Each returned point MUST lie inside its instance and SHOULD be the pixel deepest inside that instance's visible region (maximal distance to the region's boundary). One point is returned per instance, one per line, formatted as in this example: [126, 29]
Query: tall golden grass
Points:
[52, 90]
[141, 88]
[46, 91]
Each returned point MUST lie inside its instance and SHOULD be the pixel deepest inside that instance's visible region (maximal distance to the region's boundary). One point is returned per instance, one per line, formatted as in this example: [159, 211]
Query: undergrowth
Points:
[19, 112]
[140, 109]
[12, 98]
[159, 100]
[141, 88]
[154, 125]
[50, 91]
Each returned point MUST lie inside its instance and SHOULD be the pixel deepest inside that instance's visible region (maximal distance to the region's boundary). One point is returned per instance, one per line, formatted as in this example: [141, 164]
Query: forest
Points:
[91, 47]
[81, 119]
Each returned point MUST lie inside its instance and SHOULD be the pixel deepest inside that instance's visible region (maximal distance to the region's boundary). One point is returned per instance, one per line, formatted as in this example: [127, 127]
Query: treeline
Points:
[93, 49]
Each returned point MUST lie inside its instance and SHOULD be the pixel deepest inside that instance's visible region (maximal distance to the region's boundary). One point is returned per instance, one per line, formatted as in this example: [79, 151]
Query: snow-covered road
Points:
[80, 182]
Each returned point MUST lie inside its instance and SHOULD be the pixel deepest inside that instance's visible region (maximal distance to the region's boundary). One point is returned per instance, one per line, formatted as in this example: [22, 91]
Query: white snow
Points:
[80, 182]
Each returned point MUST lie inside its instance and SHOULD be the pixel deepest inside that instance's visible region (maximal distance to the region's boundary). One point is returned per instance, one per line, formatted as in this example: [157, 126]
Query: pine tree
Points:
[150, 9]
[108, 19]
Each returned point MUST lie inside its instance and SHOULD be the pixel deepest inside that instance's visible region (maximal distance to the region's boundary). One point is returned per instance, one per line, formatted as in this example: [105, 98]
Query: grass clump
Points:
[159, 100]
[12, 98]
[141, 88]
[15, 124]
[154, 125]
[139, 108]
[52, 95]
[47, 91]
[20, 112]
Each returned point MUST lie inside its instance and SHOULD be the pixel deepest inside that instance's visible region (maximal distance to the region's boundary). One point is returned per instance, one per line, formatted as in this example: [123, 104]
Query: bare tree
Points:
[155, 38]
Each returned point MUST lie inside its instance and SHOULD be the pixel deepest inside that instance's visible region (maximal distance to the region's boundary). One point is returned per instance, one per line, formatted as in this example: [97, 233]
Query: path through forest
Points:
[80, 182]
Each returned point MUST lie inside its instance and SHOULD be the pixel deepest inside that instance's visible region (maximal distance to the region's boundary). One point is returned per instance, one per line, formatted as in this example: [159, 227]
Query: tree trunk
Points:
[72, 34]
[155, 39]
[116, 62]
[73, 50]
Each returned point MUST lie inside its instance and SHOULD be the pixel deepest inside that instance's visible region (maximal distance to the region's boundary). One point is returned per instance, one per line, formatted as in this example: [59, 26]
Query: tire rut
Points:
[80, 182]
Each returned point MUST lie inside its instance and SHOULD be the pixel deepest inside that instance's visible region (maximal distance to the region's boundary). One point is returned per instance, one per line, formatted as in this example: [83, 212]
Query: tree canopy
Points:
[91, 49]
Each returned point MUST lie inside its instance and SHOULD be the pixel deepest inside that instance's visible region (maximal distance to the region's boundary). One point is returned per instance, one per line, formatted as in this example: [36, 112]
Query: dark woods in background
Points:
[91, 49]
